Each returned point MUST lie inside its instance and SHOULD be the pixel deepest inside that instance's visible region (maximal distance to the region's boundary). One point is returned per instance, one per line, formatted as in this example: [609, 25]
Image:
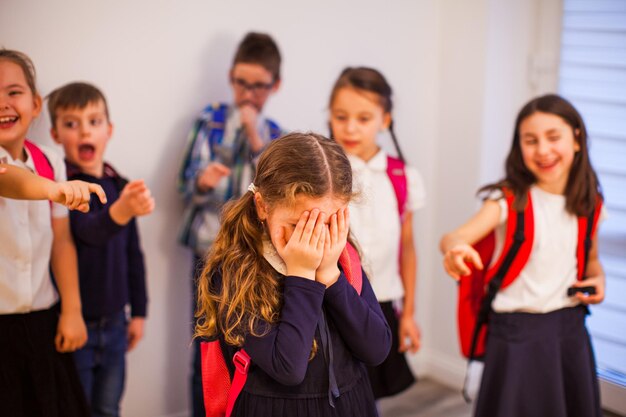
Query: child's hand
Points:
[75, 195]
[134, 332]
[598, 282]
[409, 334]
[454, 260]
[334, 244]
[135, 200]
[212, 175]
[71, 332]
[304, 250]
[249, 115]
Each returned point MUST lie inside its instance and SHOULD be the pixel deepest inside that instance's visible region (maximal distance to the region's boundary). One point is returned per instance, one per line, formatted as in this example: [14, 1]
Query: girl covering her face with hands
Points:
[273, 286]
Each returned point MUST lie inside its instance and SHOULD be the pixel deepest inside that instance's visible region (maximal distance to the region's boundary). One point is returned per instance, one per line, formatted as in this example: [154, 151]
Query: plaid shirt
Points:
[217, 136]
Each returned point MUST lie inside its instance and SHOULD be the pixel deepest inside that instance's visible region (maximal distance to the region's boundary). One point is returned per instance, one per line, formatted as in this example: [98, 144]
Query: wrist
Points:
[301, 272]
[328, 276]
[119, 213]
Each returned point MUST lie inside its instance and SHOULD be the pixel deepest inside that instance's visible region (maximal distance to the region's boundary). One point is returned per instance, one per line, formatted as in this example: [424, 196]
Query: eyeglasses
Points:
[255, 88]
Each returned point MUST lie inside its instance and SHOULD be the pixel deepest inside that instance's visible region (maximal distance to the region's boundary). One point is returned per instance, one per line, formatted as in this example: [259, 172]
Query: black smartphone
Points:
[573, 290]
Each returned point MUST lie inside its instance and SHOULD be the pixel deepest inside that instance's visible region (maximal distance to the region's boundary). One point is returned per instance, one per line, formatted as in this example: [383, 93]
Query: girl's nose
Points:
[350, 125]
[543, 146]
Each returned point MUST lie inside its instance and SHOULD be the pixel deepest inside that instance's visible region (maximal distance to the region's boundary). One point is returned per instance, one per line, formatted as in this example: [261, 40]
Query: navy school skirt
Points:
[35, 379]
[539, 365]
[394, 374]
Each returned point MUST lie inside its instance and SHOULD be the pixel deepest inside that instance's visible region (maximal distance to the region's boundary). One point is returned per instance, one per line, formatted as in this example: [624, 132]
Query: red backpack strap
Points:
[397, 176]
[520, 258]
[351, 265]
[586, 231]
[41, 162]
[242, 364]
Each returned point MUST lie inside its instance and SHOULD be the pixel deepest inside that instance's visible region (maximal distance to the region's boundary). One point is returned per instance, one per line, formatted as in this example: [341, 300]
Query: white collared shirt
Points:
[26, 243]
[375, 221]
[552, 267]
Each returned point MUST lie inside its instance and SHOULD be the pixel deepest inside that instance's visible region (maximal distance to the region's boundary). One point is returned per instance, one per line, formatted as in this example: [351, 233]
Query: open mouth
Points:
[8, 121]
[86, 152]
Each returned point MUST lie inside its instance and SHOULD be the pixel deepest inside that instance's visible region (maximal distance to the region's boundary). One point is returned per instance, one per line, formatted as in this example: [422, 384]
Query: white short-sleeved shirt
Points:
[375, 221]
[26, 243]
[552, 266]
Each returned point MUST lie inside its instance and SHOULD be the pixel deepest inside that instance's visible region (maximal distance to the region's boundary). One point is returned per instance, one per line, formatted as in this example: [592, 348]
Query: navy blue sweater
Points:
[110, 261]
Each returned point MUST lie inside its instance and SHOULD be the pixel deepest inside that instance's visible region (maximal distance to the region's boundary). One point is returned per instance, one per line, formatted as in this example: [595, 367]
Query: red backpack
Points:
[220, 393]
[478, 289]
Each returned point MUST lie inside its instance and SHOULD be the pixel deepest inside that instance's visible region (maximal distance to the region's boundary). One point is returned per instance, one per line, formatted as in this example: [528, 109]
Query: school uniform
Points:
[35, 379]
[539, 359]
[349, 330]
[375, 222]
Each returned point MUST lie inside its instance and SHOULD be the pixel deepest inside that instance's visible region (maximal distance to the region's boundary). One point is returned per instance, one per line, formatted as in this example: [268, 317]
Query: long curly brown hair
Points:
[250, 296]
[582, 189]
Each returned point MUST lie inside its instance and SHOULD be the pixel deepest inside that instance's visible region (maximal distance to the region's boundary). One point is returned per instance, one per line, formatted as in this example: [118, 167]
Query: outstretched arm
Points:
[22, 184]
[456, 245]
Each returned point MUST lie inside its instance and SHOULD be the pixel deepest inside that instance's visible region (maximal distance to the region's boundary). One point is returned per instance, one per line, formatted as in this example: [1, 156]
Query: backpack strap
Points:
[351, 265]
[397, 176]
[216, 125]
[242, 361]
[40, 160]
[519, 235]
[586, 229]
[274, 129]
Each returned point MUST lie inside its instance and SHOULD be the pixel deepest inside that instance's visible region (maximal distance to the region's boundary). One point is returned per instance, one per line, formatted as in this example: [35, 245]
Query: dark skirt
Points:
[539, 365]
[357, 402]
[35, 379]
[394, 374]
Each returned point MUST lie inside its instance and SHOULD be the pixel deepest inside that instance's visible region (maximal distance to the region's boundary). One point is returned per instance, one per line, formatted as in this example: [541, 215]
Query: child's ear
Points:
[110, 130]
[261, 209]
[386, 120]
[276, 86]
[55, 135]
[37, 103]
[576, 140]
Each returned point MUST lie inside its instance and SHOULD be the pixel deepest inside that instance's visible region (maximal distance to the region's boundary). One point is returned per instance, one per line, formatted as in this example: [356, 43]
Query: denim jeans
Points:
[101, 364]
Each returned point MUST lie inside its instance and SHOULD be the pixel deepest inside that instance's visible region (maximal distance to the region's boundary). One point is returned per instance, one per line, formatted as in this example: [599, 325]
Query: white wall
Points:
[460, 73]
[159, 62]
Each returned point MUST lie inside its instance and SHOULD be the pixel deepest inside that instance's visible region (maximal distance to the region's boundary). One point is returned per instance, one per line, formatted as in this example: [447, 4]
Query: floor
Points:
[430, 399]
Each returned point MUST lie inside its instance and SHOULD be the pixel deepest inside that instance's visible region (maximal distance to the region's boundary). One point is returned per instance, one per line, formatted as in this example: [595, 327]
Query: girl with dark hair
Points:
[382, 221]
[539, 360]
[273, 286]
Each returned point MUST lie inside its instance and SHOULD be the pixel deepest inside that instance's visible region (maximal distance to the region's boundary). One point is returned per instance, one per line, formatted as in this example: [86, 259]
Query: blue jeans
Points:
[101, 364]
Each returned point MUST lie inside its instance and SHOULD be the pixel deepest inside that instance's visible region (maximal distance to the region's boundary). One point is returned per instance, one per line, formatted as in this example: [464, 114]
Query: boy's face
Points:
[252, 84]
[84, 134]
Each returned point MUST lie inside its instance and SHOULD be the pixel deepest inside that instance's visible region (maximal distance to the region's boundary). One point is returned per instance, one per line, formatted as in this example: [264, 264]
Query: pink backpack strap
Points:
[351, 265]
[41, 162]
[397, 176]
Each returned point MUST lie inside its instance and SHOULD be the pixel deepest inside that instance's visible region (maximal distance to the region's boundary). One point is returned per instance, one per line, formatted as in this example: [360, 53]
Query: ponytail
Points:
[247, 280]
[395, 143]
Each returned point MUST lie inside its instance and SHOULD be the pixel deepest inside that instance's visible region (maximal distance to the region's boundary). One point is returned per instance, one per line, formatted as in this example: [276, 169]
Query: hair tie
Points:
[252, 188]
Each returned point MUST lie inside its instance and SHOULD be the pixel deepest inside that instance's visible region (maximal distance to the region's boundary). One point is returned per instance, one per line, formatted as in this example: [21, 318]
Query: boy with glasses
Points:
[219, 161]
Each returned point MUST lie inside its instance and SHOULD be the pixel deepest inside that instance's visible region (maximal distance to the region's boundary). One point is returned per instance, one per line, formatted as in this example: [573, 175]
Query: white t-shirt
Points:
[26, 230]
[552, 266]
[375, 221]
